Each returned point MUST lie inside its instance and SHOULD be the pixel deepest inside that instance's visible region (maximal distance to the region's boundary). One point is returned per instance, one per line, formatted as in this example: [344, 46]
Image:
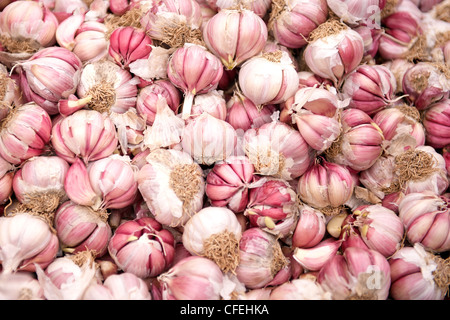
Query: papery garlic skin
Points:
[142, 247]
[277, 150]
[25, 133]
[37, 77]
[212, 102]
[192, 278]
[172, 185]
[26, 241]
[300, 289]
[39, 183]
[425, 216]
[357, 12]
[20, 286]
[235, 35]
[260, 259]
[86, 134]
[29, 20]
[123, 286]
[66, 279]
[80, 228]
[335, 55]
[413, 275]
[208, 139]
[210, 226]
[108, 183]
[269, 78]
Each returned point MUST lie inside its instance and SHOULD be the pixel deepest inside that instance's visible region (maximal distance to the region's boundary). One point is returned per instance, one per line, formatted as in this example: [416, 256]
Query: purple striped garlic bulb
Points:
[37, 77]
[371, 88]
[194, 70]
[268, 78]
[85, 134]
[355, 12]
[436, 122]
[260, 7]
[235, 35]
[24, 133]
[107, 183]
[334, 54]
[291, 21]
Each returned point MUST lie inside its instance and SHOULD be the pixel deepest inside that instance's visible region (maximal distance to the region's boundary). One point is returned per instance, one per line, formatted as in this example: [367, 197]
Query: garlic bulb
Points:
[214, 233]
[172, 185]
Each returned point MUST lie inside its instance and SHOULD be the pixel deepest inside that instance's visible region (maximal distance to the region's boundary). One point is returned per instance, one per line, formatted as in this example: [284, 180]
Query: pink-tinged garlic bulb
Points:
[277, 150]
[201, 75]
[37, 77]
[68, 277]
[371, 88]
[214, 233]
[426, 5]
[260, 7]
[310, 228]
[414, 170]
[26, 26]
[148, 98]
[192, 278]
[172, 186]
[326, 184]
[268, 78]
[174, 22]
[243, 114]
[108, 183]
[426, 83]
[417, 274]
[235, 35]
[292, 21]
[142, 247]
[358, 273]
[86, 134]
[208, 139]
[357, 13]
[120, 7]
[436, 122]
[127, 44]
[403, 37]
[64, 9]
[398, 122]
[316, 257]
[360, 143]
[381, 229]
[111, 88]
[122, 286]
[272, 205]
[229, 182]
[81, 228]
[24, 133]
[86, 38]
[334, 51]
[260, 258]
[446, 155]
[426, 217]
[39, 183]
[26, 241]
[300, 289]
[315, 112]
[20, 286]
[212, 102]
